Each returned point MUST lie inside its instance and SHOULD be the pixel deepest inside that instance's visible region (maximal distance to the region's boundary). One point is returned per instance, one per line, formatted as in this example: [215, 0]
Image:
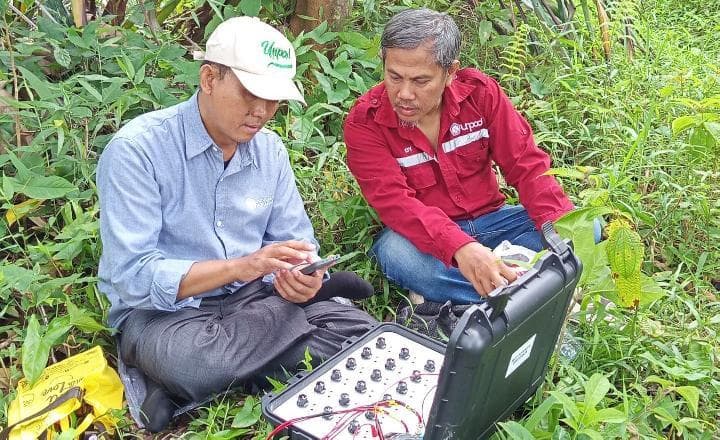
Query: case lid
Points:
[497, 355]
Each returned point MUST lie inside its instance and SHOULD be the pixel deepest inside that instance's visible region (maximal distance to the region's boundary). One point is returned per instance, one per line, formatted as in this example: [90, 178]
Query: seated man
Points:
[422, 144]
[201, 224]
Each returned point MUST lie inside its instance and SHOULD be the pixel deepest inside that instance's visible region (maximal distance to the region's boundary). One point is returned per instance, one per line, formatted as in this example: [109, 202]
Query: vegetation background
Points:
[624, 94]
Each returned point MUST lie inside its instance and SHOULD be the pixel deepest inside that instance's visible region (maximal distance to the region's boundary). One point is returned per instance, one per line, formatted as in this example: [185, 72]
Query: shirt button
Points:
[374, 101]
[219, 223]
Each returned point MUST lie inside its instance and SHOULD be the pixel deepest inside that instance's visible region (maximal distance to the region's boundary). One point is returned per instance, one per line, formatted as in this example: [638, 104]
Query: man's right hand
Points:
[482, 268]
[274, 257]
[211, 274]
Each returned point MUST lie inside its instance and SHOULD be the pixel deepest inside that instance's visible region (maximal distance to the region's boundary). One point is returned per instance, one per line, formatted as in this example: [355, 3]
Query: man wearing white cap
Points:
[201, 224]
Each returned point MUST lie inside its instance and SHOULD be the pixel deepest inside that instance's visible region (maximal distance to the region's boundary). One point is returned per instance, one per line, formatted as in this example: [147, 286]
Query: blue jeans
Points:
[422, 273]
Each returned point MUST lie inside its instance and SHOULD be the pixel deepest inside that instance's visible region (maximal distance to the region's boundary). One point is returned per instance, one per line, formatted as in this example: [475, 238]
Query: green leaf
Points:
[338, 94]
[330, 212]
[62, 56]
[250, 7]
[595, 389]
[83, 320]
[569, 406]
[44, 89]
[87, 86]
[32, 361]
[539, 413]
[611, 415]
[276, 384]
[713, 129]
[18, 278]
[248, 415]
[484, 31]
[46, 187]
[8, 187]
[691, 395]
[683, 123]
[80, 112]
[36, 348]
[560, 433]
[591, 433]
[516, 431]
[355, 39]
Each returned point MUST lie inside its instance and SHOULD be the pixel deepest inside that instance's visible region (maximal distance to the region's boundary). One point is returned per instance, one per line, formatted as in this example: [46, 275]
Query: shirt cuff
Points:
[166, 283]
[450, 243]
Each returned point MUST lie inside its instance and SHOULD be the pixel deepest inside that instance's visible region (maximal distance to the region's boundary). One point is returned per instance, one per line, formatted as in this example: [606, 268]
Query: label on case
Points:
[520, 356]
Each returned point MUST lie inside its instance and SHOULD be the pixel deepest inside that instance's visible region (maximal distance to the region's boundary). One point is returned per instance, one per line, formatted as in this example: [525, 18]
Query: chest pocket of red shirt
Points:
[472, 158]
[420, 176]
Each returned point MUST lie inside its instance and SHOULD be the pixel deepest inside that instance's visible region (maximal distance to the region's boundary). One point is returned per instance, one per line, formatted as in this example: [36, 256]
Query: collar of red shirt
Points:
[453, 95]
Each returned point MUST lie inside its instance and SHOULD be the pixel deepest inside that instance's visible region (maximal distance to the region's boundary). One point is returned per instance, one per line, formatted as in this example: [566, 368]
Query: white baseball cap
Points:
[259, 55]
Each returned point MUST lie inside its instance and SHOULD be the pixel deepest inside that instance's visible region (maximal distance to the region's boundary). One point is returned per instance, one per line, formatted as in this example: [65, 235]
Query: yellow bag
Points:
[61, 389]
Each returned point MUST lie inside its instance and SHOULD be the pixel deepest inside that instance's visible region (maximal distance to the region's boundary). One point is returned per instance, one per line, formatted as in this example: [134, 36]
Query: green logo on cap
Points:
[276, 54]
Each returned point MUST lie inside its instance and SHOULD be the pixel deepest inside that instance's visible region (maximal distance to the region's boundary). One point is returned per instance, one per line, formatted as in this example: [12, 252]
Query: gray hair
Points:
[413, 27]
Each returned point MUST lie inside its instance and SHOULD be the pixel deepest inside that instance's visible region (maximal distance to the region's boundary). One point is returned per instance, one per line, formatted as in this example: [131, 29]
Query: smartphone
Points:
[323, 263]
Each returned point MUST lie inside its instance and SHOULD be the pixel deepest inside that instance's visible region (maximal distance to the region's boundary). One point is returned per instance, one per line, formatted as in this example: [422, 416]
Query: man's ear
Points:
[208, 78]
[454, 67]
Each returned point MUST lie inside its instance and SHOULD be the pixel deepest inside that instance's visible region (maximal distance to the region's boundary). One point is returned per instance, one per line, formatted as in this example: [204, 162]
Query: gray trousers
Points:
[234, 340]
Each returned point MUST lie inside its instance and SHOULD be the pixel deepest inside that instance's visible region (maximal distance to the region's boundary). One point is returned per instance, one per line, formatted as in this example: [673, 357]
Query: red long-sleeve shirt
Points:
[418, 191]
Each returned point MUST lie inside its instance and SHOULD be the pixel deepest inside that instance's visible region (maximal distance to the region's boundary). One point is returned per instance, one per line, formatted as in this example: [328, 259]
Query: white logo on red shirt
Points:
[456, 128]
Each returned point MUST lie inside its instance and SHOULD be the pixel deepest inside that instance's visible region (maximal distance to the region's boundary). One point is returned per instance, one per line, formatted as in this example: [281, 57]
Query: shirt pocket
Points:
[472, 158]
[420, 176]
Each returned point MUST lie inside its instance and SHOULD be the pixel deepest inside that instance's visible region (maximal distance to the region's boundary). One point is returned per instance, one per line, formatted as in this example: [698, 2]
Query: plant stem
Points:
[16, 114]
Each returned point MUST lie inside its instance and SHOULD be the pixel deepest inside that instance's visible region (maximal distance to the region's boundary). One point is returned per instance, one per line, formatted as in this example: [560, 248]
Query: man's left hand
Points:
[297, 287]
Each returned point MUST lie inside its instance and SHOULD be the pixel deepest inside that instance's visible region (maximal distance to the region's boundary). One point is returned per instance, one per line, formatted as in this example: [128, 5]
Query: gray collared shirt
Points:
[167, 201]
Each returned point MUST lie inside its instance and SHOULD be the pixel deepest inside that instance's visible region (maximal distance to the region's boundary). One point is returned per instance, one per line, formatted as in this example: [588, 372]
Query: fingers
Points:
[508, 272]
[296, 287]
[493, 277]
[289, 250]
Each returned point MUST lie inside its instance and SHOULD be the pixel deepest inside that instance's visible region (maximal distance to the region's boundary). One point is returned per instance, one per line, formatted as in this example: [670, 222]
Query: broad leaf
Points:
[45, 90]
[20, 210]
[36, 347]
[516, 431]
[595, 389]
[610, 415]
[46, 187]
[248, 415]
[569, 405]
[250, 7]
[691, 395]
[62, 56]
[18, 278]
[32, 361]
[83, 319]
[683, 123]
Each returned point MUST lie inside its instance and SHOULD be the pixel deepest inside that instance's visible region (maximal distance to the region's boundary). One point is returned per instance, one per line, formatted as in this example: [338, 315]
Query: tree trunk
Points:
[335, 12]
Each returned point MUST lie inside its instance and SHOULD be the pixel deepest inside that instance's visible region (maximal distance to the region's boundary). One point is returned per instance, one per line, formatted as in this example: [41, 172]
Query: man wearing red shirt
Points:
[421, 146]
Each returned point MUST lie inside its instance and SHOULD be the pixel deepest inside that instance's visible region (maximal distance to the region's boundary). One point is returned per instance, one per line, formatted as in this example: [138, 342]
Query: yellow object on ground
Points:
[62, 389]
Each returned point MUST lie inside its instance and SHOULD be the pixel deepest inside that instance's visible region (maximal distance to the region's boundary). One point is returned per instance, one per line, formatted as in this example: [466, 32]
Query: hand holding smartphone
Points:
[323, 263]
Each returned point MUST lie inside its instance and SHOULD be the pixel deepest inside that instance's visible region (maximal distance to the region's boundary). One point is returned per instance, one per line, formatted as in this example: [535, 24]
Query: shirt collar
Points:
[197, 139]
[453, 95]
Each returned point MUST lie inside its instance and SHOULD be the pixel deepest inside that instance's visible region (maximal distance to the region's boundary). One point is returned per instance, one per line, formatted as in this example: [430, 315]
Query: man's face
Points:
[232, 114]
[415, 83]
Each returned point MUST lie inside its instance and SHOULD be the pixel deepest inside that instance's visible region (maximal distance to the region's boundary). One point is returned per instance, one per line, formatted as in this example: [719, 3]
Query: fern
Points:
[514, 56]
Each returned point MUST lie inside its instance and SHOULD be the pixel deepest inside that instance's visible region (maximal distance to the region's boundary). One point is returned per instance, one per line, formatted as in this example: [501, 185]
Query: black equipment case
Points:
[493, 362]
